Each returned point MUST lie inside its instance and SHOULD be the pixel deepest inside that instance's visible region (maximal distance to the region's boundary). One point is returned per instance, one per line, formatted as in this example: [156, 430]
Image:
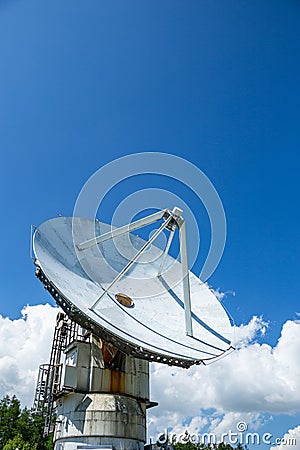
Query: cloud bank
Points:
[291, 440]
[25, 344]
[255, 379]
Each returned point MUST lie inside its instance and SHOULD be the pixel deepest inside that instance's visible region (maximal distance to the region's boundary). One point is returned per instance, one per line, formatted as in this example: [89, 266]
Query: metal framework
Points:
[49, 376]
[172, 220]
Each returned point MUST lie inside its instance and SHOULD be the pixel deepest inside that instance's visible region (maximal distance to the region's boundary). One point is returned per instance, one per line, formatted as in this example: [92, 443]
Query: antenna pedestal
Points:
[102, 399]
[100, 421]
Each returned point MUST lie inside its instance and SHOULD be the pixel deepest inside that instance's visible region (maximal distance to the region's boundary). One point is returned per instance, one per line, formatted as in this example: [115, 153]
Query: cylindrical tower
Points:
[102, 398]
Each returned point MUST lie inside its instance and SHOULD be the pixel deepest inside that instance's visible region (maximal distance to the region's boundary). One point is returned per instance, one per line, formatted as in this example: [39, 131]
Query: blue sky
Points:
[217, 83]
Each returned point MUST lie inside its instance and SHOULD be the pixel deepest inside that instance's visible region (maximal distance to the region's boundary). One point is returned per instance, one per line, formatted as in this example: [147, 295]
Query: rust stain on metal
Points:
[117, 382]
[108, 352]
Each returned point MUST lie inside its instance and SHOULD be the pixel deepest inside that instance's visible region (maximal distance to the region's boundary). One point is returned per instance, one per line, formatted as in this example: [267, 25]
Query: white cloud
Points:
[253, 380]
[221, 295]
[231, 420]
[244, 334]
[291, 440]
[25, 344]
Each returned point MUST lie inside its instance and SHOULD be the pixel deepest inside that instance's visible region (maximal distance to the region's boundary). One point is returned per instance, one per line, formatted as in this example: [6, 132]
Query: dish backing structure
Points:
[126, 303]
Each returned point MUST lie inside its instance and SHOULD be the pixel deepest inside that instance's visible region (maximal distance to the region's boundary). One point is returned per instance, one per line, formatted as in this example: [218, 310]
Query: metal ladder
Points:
[49, 376]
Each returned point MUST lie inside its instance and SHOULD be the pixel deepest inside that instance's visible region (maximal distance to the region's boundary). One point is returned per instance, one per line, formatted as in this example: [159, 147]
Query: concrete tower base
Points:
[102, 399]
[95, 421]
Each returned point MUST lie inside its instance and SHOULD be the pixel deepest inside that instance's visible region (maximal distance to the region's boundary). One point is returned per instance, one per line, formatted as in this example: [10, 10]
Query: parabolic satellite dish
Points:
[130, 292]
